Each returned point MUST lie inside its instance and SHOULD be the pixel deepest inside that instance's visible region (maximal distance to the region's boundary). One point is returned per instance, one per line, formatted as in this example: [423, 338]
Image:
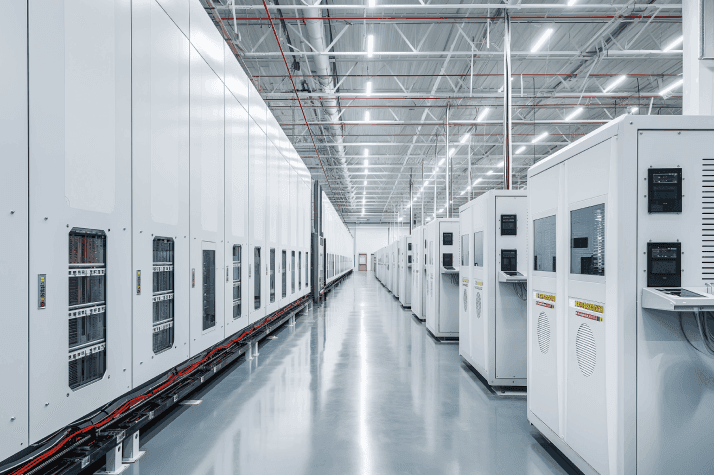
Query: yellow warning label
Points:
[464, 281]
[478, 283]
[589, 306]
[545, 297]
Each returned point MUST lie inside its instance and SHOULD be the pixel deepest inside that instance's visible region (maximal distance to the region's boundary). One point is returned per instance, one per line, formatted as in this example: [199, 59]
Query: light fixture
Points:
[441, 162]
[366, 162]
[365, 183]
[571, 2]
[540, 137]
[400, 218]
[484, 113]
[371, 3]
[542, 40]
[490, 172]
[632, 110]
[671, 87]
[366, 116]
[366, 171]
[441, 210]
[674, 44]
[368, 88]
[616, 83]
[451, 152]
[370, 45]
[521, 149]
[366, 152]
[574, 114]
[477, 181]
[465, 138]
[426, 182]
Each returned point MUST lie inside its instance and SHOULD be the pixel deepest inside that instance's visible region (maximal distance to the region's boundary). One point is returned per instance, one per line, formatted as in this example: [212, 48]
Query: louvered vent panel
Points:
[708, 219]
[543, 333]
[585, 350]
[466, 305]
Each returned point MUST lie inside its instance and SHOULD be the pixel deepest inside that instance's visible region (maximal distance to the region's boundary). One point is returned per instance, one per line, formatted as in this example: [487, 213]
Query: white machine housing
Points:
[492, 296]
[418, 273]
[442, 289]
[616, 386]
[405, 271]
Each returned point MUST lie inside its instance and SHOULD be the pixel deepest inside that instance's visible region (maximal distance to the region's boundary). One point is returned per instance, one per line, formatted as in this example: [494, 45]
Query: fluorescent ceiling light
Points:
[574, 114]
[400, 218]
[366, 163]
[451, 152]
[634, 109]
[441, 162]
[616, 83]
[426, 182]
[366, 152]
[540, 137]
[371, 3]
[366, 171]
[441, 210]
[463, 192]
[366, 116]
[671, 87]
[368, 89]
[365, 183]
[570, 2]
[465, 138]
[477, 181]
[542, 40]
[674, 44]
[484, 113]
[370, 45]
[490, 172]
[521, 149]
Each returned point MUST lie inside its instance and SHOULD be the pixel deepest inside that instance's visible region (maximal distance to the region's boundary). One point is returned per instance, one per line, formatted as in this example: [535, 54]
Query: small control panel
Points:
[509, 260]
[447, 239]
[664, 190]
[664, 264]
[42, 291]
[509, 224]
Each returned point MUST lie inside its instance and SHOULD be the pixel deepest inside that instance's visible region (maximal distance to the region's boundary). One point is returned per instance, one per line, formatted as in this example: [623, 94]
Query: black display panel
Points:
[448, 239]
[509, 260]
[664, 190]
[448, 259]
[664, 264]
[508, 225]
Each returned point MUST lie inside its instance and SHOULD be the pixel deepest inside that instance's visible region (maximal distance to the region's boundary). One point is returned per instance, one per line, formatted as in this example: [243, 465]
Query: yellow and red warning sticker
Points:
[544, 300]
[590, 310]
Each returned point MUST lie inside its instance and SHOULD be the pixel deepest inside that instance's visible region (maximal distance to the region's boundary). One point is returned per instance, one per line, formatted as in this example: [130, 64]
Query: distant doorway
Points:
[363, 262]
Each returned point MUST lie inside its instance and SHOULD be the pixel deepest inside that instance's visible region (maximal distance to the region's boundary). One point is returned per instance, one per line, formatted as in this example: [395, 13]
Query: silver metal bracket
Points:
[130, 449]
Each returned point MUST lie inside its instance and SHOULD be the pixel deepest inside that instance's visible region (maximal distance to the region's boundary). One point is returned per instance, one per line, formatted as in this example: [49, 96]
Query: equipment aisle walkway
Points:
[357, 386]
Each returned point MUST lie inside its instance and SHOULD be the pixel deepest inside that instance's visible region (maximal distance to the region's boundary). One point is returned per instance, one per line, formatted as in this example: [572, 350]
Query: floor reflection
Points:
[357, 386]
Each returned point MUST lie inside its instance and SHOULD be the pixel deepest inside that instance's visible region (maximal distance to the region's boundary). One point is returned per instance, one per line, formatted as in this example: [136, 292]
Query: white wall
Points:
[370, 238]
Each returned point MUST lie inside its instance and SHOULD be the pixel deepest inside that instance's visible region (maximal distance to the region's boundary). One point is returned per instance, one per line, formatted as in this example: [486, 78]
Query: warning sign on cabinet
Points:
[590, 310]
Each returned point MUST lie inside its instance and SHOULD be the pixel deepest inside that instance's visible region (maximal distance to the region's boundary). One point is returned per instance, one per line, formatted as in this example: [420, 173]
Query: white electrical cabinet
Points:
[492, 295]
[620, 341]
[257, 243]
[442, 287]
[14, 298]
[237, 175]
[418, 295]
[80, 225]
[160, 205]
[394, 279]
[405, 271]
[206, 202]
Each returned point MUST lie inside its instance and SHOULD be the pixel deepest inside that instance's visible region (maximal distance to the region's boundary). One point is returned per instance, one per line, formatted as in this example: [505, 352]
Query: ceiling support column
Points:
[507, 102]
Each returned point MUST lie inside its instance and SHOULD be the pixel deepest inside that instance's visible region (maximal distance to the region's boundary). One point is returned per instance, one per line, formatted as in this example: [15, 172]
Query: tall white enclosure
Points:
[405, 271]
[14, 237]
[80, 225]
[620, 350]
[418, 272]
[442, 298]
[492, 297]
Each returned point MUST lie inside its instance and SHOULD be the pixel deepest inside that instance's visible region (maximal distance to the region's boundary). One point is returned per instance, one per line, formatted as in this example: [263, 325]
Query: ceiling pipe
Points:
[316, 36]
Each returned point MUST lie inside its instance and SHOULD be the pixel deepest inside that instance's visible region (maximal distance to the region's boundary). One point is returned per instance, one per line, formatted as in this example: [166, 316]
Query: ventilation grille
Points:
[585, 350]
[466, 306]
[708, 219]
[543, 333]
[478, 304]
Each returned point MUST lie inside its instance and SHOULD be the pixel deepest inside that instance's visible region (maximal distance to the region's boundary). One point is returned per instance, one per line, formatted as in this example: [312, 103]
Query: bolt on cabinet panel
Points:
[80, 208]
[206, 205]
[236, 217]
[258, 253]
[160, 175]
[14, 299]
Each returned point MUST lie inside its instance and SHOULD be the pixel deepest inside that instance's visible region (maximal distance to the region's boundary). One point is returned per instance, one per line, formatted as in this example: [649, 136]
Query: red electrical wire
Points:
[132, 402]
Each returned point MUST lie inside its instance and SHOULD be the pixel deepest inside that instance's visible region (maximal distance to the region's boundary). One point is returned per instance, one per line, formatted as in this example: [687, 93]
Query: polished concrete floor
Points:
[357, 386]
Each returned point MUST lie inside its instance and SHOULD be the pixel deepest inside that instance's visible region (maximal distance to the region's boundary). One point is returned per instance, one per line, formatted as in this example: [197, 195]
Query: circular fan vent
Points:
[478, 304]
[585, 350]
[543, 333]
[466, 306]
